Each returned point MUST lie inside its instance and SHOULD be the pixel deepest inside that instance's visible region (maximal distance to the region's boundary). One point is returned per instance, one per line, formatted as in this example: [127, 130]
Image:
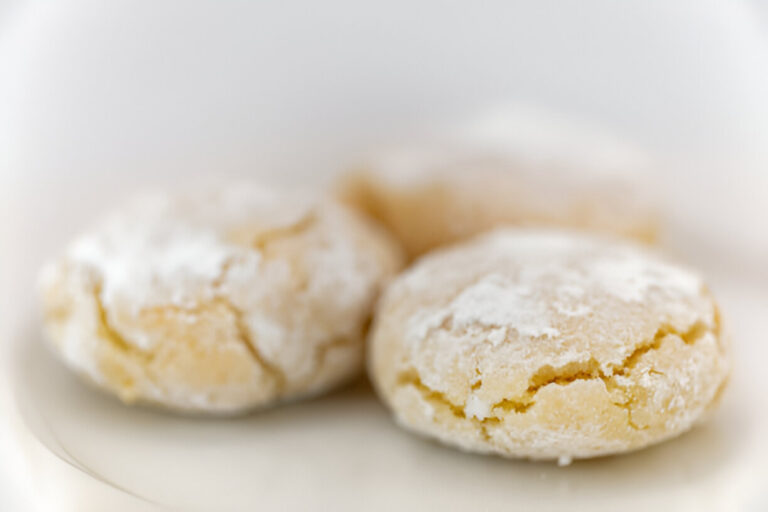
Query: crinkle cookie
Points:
[218, 302]
[547, 345]
[518, 169]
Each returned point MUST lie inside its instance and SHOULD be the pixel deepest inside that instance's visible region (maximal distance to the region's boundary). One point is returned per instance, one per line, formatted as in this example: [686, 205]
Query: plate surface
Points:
[100, 99]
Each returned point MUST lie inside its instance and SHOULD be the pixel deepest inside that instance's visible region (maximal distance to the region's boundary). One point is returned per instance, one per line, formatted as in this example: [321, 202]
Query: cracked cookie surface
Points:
[548, 345]
[219, 301]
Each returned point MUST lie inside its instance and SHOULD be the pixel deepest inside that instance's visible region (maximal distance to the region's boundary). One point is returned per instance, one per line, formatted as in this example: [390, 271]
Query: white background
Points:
[100, 98]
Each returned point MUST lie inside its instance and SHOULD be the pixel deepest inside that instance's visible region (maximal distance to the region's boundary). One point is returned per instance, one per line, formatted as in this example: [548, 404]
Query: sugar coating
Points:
[542, 137]
[218, 301]
[517, 167]
[548, 345]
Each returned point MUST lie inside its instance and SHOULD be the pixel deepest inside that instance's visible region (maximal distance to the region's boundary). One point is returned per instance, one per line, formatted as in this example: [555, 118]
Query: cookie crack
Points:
[548, 375]
[110, 333]
[439, 399]
[246, 339]
[697, 331]
[263, 240]
[226, 266]
[591, 369]
[411, 378]
[274, 372]
[628, 406]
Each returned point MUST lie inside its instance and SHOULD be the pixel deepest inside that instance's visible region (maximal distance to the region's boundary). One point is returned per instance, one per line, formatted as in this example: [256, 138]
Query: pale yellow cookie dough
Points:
[553, 176]
[547, 345]
[219, 301]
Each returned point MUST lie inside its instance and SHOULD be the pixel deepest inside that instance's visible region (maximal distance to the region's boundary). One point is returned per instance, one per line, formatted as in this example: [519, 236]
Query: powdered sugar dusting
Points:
[548, 275]
[630, 275]
[577, 263]
[538, 135]
[492, 302]
[170, 249]
[496, 301]
[518, 137]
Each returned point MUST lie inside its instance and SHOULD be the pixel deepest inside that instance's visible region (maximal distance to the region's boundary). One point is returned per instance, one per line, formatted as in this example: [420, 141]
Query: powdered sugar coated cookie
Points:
[548, 345]
[218, 301]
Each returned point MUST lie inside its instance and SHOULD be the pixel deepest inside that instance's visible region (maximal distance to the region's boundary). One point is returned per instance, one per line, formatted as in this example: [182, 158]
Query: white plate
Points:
[101, 98]
[343, 452]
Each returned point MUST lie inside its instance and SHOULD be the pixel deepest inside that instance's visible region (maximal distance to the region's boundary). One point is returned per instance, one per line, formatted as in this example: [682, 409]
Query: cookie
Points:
[220, 301]
[548, 345]
[520, 172]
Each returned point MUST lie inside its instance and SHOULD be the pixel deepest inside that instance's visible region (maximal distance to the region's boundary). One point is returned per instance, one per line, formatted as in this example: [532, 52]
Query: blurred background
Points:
[98, 99]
